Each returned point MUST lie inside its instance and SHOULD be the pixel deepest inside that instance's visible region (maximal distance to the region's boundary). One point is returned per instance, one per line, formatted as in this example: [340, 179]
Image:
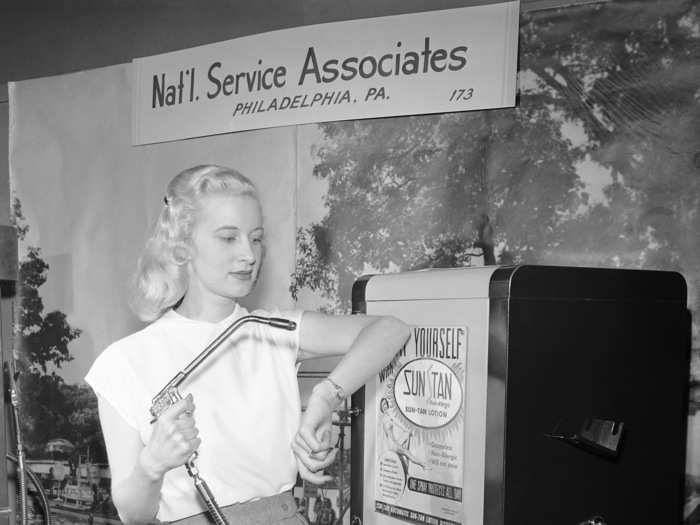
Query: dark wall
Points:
[40, 38]
[50, 37]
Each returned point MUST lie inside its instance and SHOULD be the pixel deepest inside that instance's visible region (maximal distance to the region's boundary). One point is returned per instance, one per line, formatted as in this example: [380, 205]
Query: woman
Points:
[397, 439]
[204, 255]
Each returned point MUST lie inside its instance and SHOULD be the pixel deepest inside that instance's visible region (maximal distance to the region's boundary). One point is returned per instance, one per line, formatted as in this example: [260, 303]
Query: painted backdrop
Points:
[599, 165]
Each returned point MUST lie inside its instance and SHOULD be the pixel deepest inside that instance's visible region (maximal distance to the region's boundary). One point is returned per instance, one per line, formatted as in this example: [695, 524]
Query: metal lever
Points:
[169, 395]
[595, 520]
[599, 436]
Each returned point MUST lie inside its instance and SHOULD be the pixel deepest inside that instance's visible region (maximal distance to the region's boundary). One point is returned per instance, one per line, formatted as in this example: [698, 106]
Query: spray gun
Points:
[169, 395]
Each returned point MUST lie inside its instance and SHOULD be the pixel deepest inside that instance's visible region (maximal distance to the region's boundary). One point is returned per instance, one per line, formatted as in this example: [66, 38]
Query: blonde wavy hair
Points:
[160, 281]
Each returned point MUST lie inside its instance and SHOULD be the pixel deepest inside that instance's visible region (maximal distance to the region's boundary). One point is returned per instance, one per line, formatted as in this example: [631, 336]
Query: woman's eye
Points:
[256, 240]
[228, 239]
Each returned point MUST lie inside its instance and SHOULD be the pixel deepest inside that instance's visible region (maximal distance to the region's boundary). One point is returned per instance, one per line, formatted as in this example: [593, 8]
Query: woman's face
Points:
[226, 247]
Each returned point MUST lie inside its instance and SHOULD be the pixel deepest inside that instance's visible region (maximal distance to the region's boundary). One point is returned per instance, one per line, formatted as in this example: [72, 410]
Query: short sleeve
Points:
[280, 337]
[108, 377]
[294, 337]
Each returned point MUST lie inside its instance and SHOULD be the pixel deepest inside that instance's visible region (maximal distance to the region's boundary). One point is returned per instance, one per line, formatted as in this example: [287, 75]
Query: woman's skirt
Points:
[274, 510]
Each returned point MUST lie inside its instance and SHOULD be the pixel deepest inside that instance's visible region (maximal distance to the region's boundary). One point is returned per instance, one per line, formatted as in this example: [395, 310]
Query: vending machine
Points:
[525, 395]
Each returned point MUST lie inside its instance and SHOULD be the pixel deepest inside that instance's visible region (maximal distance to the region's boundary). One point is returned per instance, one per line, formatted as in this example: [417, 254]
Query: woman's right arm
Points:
[136, 469]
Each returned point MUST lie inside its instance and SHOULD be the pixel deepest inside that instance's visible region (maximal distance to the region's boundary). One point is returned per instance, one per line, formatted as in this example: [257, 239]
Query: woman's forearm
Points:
[373, 348]
[138, 469]
[367, 344]
[137, 496]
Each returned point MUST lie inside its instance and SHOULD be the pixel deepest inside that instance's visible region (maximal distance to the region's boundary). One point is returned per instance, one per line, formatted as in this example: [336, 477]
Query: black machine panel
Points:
[596, 373]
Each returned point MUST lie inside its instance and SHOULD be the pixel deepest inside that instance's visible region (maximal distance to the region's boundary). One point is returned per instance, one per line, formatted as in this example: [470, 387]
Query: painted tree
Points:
[614, 85]
[82, 422]
[422, 191]
[41, 340]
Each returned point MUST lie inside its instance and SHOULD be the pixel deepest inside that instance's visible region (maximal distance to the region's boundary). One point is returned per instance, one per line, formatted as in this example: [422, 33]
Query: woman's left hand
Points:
[312, 444]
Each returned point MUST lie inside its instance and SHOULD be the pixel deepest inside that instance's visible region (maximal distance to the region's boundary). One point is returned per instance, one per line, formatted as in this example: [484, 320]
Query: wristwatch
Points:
[336, 393]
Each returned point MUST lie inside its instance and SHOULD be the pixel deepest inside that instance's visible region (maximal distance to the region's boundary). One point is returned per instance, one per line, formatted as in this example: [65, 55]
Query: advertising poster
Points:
[420, 428]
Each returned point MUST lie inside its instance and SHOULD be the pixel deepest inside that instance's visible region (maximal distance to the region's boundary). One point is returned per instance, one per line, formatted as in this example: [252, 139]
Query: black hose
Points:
[21, 477]
[39, 489]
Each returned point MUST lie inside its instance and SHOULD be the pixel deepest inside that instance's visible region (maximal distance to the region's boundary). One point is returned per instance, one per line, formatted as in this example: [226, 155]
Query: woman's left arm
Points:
[366, 344]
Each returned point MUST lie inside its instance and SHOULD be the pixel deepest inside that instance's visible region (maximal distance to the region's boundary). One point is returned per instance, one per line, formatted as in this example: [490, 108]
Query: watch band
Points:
[338, 390]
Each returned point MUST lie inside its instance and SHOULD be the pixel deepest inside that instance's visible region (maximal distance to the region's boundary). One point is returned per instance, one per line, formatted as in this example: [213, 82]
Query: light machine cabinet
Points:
[525, 395]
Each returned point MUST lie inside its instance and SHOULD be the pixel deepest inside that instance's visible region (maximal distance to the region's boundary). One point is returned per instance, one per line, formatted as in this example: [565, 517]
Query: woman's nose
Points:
[246, 252]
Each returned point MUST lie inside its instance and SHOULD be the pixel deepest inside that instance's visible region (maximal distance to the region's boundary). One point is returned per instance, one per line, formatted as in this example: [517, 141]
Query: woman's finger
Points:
[301, 443]
[304, 450]
[184, 422]
[328, 460]
[325, 437]
[302, 456]
[305, 459]
[182, 406]
[311, 463]
[320, 454]
[307, 435]
[317, 479]
[313, 441]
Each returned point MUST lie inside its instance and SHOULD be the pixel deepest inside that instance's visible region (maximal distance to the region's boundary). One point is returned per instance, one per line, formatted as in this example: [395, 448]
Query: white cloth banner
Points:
[434, 62]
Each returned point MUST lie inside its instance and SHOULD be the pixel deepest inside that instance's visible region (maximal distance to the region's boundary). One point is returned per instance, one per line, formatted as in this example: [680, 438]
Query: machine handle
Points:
[281, 322]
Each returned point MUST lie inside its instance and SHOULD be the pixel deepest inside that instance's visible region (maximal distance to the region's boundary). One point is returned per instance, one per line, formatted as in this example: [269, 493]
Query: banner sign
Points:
[420, 428]
[434, 62]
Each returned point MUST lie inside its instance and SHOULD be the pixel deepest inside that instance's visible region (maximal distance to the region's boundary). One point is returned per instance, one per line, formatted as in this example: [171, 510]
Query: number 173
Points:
[462, 94]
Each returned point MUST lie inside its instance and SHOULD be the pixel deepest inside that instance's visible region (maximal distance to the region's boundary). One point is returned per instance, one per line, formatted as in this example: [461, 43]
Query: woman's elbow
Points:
[398, 331]
[122, 509]
[119, 506]
[132, 519]
[127, 514]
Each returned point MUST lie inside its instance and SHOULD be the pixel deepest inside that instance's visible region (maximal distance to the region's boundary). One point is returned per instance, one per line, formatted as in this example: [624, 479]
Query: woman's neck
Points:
[209, 311]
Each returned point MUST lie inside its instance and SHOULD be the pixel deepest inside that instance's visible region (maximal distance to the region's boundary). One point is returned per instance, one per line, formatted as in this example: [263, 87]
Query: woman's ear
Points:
[181, 254]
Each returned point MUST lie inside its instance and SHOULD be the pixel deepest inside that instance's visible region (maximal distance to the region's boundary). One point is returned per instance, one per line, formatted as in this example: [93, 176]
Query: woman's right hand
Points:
[173, 441]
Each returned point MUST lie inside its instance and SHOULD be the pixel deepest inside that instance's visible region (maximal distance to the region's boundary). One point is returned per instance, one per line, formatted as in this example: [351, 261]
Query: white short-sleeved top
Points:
[246, 396]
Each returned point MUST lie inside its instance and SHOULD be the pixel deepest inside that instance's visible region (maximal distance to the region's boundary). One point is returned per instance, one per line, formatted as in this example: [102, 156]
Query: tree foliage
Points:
[611, 85]
[50, 408]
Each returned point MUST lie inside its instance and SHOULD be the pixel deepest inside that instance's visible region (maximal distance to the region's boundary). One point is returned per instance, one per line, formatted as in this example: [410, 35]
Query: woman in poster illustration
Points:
[397, 439]
[205, 254]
